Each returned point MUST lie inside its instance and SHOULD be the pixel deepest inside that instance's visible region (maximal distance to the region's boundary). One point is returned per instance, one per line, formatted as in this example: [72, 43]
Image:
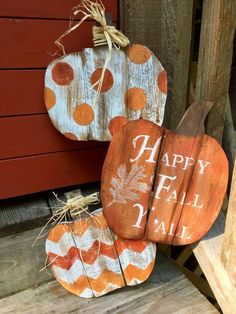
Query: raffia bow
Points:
[73, 207]
[102, 35]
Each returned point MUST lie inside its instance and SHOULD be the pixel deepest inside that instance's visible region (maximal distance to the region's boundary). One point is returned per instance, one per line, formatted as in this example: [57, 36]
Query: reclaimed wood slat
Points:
[134, 86]
[33, 135]
[167, 291]
[168, 34]
[47, 8]
[104, 263]
[22, 214]
[20, 263]
[21, 92]
[229, 240]
[229, 139]
[27, 175]
[215, 58]
[208, 253]
[28, 43]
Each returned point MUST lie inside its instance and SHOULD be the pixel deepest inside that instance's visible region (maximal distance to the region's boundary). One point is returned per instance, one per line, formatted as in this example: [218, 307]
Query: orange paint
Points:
[135, 98]
[191, 174]
[162, 82]
[83, 114]
[107, 81]
[62, 73]
[139, 54]
[71, 136]
[95, 262]
[116, 123]
[49, 98]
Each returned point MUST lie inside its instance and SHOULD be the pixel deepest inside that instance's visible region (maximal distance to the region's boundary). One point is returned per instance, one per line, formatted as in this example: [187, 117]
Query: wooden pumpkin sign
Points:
[134, 86]
[85, 90]
[187, 171]
[89, 260]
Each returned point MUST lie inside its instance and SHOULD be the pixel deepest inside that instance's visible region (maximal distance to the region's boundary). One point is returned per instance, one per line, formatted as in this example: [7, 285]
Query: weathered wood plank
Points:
[229, 139]
[229, 240]
[22, 214]
[32, 174]
[167, 291]
[208, 253]
[134, 86]
[32, 135]
[29, 43]
[168, 34]
[215, 57]
[21, 92]
[47, 8]
[20, 263]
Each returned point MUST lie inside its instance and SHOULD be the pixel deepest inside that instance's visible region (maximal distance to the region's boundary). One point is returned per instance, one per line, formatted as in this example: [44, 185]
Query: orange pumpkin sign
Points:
[167, 187]
[89, 260]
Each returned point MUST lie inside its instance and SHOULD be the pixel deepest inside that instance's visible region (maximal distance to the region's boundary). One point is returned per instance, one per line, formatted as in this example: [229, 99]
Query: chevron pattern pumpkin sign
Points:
[89, 260]
[167, 187]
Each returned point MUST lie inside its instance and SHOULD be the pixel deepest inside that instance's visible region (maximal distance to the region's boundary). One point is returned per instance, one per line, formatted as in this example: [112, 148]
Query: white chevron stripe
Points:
[109, 287]
[87, 293]
[69, 276]
[93, 271]
[84, 243]
[140, 260]
[101, 264]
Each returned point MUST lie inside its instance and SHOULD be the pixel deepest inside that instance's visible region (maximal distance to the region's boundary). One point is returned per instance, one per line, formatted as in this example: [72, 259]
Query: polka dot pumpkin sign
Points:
[134, 86]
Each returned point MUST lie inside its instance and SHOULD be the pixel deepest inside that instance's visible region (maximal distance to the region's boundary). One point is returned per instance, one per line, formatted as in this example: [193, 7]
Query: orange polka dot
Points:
[116, 123]
[71, 136]
[135, 98]
[162, 81]
[83, 114]
[139, 54]
[107, 81]
[49, 98]
[62, 73]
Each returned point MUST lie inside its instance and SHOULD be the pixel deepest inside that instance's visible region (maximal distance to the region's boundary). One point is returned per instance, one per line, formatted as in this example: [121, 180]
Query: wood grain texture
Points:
[29, 43]
[208, 253]
[23, 136]
[229, 240]
[22, 214]
[89, 260]
[21, 92]
[31, 174]
[167, 291]
[134, 86]
[168, 34]
[215, 57]
[191, 172]
[20, 264]
[126, 183]
[47, 8]
[229, 139]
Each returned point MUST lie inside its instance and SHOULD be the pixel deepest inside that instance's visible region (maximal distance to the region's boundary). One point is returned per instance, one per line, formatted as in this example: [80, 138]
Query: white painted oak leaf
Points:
[126, 185]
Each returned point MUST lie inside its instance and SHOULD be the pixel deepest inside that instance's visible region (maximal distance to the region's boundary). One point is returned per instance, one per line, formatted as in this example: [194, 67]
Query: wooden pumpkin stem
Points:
[192, 123]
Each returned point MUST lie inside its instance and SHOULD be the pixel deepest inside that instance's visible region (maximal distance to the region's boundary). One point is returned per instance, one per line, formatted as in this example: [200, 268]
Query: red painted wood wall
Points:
[33, 155]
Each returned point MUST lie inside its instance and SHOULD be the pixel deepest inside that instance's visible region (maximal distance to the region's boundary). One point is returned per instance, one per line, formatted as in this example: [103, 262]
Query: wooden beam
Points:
[229, 239]
[166, 291]
[22, 213]
[208, 253]
[215, 58]
[165, 27]
[20, 263]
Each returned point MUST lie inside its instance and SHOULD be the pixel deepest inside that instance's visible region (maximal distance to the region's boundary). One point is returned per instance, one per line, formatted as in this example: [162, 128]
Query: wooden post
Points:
[164, 27]
[215, 58]
[229, 240]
